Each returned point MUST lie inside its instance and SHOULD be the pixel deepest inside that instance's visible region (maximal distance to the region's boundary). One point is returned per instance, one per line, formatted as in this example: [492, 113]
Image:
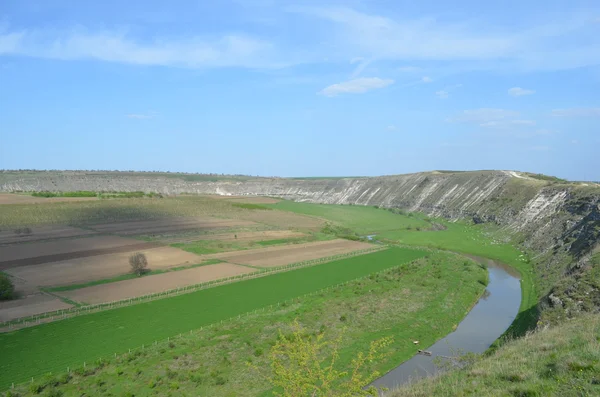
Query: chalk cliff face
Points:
[558, 221]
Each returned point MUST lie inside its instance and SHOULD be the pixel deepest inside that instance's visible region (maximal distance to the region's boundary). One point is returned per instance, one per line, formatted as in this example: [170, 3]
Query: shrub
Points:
[7, 289]
[138, 263]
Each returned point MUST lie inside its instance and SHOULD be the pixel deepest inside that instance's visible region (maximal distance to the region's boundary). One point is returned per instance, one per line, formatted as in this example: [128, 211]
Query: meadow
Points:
[55, 346]
[361, 219]
[413, 229]
[420, 300]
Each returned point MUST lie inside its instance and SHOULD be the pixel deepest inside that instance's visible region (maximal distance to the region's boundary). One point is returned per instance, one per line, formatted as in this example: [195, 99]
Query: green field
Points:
[361, 219]
[56, 346]
[420, 300]
[472, 239]
[204, 247]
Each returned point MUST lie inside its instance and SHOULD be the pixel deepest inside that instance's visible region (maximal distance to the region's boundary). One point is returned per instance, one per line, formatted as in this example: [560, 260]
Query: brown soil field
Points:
[82, 270]
[156, 283]
[170, 224]
[9, 236]
[241, 236]
[284, 219]
[30, 306]
[53, 251]
[279, 256]
[8, 198]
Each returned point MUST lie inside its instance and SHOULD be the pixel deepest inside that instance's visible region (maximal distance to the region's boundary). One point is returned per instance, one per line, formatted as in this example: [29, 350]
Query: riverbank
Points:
[421, 301]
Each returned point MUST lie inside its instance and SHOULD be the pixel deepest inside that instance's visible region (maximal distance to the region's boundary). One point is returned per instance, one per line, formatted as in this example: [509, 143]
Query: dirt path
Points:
[30, 306]
[21, 255]
[152, 284]
[279, 256]
[82, 270]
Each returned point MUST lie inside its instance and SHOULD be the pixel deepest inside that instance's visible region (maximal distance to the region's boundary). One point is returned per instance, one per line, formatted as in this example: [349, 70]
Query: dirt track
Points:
[82, 270]
[279, 256]
[42, 233]
[6, 198]
[165, 225]
[152, 284]
[30, 306]
[53, 251]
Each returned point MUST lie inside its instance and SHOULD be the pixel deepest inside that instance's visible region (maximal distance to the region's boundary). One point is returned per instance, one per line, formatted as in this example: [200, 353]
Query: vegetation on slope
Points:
[560, 361]
[422, 300]
[55, 346]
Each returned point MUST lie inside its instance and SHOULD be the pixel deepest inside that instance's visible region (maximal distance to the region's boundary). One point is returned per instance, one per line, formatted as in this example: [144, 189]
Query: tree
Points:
[306, 365]
[7, 288]
[138, 263]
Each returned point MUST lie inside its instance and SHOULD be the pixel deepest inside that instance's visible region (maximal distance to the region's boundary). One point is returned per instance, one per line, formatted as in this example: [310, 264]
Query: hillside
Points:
[555, 221]
[560, 361]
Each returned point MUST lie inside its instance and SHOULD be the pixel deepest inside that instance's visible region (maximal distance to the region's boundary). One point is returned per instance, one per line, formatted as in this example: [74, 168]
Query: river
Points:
[487, 321]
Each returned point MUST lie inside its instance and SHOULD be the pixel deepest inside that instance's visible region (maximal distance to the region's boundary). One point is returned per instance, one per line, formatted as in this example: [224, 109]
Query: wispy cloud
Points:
[391, 128]
[577, 112]
[445, 93]
[356, 86]
[533, 47]
[427, 79]
[226, 51]
[506, 123]
[483, 115]
[518, 91]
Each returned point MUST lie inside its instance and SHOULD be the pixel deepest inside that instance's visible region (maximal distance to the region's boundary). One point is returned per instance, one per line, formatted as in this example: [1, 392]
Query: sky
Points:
[301, 88]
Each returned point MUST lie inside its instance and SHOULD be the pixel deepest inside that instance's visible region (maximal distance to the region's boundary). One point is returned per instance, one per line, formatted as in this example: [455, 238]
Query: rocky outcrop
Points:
[558, 221]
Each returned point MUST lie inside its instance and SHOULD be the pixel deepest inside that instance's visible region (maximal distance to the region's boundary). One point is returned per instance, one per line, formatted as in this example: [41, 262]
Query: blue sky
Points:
[301, 88]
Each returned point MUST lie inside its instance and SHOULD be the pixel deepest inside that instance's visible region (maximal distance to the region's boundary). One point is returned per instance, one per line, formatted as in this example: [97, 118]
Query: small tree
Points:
[138, 263]
[7, 288]
[303, 365]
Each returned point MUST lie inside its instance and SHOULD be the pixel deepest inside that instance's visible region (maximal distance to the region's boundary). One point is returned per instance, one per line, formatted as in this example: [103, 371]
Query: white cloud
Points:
[194, 52]
[506, 123]
[391, 128]
[574, 142]
[483, 115]
[445, 93]
[518, 91]
[577, 112]
[561, 41]
[356, 86]
[427, 79]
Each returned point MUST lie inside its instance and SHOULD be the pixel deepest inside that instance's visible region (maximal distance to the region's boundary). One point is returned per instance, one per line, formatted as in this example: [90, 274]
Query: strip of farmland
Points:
[53, 347]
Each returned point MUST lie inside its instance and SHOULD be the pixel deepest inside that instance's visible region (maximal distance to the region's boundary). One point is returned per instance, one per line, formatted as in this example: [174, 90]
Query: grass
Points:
[560, 361]
[55, 346]
[128, 276]
[204, 247]
[473, 239]
[361, 219]
[213, 361]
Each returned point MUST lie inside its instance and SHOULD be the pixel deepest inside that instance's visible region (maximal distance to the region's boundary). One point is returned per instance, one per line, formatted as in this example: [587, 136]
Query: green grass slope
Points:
[562, 361]
[56, 346]
[421, 300]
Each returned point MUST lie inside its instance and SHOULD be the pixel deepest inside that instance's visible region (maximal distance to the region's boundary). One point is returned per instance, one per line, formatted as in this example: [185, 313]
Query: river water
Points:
[488, 319]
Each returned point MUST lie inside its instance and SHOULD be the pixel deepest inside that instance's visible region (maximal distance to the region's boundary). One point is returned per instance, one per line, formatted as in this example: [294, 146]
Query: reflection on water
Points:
[486, 322]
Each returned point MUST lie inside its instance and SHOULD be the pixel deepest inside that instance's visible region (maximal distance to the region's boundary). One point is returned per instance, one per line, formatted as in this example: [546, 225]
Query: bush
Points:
[7, 289]
[138, 263]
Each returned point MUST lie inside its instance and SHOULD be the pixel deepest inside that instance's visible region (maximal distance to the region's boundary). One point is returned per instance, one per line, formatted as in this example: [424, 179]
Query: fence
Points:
[29, 321]
[105, 359]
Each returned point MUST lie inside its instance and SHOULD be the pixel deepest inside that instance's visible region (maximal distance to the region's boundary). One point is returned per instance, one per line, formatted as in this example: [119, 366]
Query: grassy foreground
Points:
[561, 361]
[421, 300]
[56, 346]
